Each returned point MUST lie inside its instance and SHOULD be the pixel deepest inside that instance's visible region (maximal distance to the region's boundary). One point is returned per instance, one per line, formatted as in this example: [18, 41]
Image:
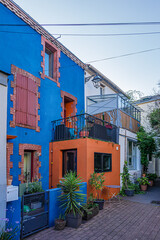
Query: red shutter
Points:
[21, 81]
[21, 99]
[31, 104]
[26, 90]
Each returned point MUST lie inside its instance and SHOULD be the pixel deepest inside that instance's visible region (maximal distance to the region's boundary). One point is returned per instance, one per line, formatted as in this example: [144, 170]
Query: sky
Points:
[139, 72]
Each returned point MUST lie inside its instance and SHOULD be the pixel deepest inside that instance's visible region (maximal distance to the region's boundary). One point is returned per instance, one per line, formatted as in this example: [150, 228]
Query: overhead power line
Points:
[81, 24]
[89, 34]
[124, 55]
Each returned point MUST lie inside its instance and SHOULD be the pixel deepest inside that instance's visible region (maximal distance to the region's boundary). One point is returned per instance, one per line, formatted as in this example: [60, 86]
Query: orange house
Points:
[85, 155]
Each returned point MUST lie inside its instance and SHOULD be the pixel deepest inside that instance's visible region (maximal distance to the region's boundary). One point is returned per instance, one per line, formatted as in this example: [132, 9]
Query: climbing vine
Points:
[147, 147]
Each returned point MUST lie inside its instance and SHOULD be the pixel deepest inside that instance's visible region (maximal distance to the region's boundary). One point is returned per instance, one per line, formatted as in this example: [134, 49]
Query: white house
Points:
[107, 101]
[3, 132]
[148, 104]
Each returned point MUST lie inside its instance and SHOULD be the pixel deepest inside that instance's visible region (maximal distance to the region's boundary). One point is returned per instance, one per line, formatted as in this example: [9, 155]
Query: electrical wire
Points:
[124, 55]
[83, 24]
[90, 35]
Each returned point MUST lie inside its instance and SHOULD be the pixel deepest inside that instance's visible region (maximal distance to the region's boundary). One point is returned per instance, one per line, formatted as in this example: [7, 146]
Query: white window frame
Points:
[133, 156]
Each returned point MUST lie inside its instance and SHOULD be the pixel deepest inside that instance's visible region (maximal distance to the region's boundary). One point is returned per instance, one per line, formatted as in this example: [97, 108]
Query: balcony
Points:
[81, 126]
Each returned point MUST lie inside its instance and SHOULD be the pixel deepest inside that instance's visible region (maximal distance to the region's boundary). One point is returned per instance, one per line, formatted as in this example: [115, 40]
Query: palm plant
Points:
[71, 199]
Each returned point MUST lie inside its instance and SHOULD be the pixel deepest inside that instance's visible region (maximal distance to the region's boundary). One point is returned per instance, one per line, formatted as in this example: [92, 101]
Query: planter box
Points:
[92, 212]
[73, 221]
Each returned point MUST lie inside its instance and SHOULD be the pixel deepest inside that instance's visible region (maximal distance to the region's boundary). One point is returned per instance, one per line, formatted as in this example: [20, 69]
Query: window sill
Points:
[52, 79]
[25, 126]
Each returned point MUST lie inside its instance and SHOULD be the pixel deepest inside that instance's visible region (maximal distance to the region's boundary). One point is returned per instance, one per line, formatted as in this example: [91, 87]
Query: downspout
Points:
[117, 120]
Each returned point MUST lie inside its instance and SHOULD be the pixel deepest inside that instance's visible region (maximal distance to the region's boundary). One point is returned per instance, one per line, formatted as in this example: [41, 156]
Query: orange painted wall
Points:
[86, 148]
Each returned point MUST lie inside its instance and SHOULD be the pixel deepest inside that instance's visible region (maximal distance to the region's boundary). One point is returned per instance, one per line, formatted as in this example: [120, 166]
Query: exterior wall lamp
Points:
[96, 79]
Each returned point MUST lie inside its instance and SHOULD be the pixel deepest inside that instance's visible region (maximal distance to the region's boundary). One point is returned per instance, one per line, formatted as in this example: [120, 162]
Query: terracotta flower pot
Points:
[143, 187]
[84, 133]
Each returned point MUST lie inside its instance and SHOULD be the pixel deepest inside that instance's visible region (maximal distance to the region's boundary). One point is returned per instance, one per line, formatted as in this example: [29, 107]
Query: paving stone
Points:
[125, 221]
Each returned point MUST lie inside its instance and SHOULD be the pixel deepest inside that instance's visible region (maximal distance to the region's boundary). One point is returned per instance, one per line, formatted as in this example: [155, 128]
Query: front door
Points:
[69, 161]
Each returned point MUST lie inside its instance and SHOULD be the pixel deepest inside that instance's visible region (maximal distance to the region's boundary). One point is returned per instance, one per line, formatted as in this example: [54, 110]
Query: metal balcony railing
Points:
[83, 125]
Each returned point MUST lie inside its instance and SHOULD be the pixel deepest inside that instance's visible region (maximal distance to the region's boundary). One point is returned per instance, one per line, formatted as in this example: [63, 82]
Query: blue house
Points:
[45, 83]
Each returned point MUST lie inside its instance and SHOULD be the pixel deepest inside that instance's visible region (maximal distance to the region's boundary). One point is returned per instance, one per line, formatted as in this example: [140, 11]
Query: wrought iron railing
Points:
[83, 125]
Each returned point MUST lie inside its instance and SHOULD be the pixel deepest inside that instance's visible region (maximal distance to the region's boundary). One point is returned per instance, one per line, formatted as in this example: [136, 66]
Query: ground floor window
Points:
[69, 161]
[28, 166]
[131, 154]
[102, 162]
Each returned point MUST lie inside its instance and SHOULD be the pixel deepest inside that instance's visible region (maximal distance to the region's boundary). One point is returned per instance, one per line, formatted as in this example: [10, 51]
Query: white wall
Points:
[148, 107]
[3, 121]
[123, 136]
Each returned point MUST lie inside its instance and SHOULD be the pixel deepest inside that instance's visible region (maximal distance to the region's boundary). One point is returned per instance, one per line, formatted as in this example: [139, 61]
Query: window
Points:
[131, 154]
[26, 97]
[28, 166]
[102, 162]
[69, 161]
[49, 63]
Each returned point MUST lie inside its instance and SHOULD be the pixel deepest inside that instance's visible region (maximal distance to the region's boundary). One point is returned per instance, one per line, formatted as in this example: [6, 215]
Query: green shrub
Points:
[71, 199]
[97, 182]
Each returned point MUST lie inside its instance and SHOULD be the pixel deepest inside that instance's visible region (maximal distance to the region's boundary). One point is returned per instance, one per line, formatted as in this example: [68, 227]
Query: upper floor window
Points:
[49, 63]
[131, 154]
[102, 162]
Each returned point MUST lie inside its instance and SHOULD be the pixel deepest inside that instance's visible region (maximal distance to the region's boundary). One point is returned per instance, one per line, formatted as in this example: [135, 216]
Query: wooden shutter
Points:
[26, 90]
[31, 104]
[21, 99]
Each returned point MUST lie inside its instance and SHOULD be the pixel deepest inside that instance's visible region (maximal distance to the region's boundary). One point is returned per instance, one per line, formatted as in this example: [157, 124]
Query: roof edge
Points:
[19, 12]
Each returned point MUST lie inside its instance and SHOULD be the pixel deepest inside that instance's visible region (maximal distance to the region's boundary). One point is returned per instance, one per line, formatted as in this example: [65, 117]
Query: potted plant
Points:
[97, 182]
[152, 177]
[60, 223]
[84, 133]
[127, 186]
[71, 199]
[91, 209]
[143, 181]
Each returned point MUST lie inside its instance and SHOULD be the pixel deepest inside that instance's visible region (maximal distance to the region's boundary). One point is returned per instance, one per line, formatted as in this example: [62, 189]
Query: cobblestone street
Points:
[125, 220]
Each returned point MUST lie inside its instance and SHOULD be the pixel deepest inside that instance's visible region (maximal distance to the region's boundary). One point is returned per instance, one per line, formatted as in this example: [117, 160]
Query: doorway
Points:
[69, 161]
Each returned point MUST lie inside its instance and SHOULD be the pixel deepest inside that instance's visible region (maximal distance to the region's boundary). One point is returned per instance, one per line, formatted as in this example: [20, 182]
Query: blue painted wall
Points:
[24, 51]
[13, 213]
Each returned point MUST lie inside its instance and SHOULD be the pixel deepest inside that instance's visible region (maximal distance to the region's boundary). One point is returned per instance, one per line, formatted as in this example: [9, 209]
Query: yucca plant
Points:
[71, 199]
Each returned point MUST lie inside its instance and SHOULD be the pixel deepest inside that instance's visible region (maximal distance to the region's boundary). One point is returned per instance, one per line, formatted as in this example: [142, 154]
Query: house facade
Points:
[148, 104]
[107, 101]
[42, 73]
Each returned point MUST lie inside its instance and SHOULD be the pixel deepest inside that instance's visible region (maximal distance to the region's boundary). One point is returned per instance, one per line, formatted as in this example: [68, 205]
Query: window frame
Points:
[133, 155]
[64, 160]
[49, 46]
[102, 155]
